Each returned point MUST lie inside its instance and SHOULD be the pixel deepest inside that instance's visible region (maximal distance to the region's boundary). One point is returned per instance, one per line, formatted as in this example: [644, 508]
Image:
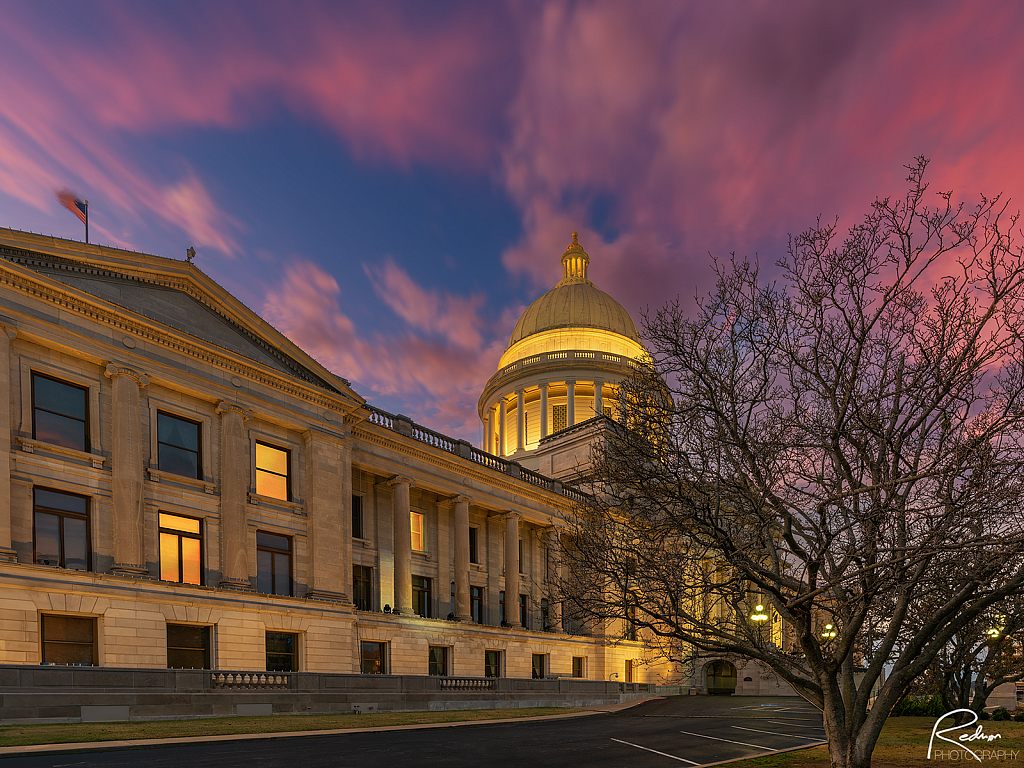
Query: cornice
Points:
[151, 333]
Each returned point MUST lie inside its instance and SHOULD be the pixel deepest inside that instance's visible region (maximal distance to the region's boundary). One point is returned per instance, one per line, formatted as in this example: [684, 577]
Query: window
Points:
[60, 535]
[545, 614]
[60, 413]
[357, 517]
[421, 596]
[474, 556]
[362, 587]
[416, 522]
[606, 410]
[539, 665]
[272, 472]
[501, 607]
[559, 417]
[522, 565]
[631, 624]
[373, 658]
[523, 605]
[68, 639]
[181, 554]
[273, 564]
[579, 666]
[629, 671]
[188, 647]
[177, 445]
[492, 663]
[438, 660]
[282, 652]
[476, 604]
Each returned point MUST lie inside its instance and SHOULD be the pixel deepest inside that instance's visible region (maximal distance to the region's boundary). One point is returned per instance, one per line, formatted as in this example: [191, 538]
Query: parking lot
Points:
[678, 730]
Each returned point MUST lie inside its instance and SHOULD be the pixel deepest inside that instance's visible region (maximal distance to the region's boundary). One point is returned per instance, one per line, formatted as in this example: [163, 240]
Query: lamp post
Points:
[829, 633]
[759, 617]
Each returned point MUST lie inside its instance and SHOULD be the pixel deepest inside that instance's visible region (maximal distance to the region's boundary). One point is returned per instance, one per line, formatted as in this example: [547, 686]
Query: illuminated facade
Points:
[187, 488]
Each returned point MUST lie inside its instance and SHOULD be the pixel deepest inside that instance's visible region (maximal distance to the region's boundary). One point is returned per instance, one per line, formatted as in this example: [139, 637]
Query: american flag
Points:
[73, 204]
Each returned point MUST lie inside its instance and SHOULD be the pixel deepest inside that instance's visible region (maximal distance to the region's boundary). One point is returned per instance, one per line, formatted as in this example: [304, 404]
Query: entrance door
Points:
[721, 678]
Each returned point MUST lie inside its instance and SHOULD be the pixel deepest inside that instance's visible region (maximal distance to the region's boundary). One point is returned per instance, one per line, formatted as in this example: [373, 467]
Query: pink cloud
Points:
[436, 369]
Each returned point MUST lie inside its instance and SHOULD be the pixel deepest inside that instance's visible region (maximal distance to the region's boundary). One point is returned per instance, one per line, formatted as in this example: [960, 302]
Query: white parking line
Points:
[730, 741]
[663, 754]
[797, 725]
[776, 733]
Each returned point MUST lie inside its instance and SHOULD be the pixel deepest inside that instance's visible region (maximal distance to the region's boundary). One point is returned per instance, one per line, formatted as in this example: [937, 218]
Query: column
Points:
[126, 466]
[462, 609]
[489, 426]
[327, 578]
[544, 410]
[598, 399]
[512, 569]
[7, 553]
[570, 403]
[234, 488]
[403, 545]
[554, 579]
[520, 421]
[501, 428]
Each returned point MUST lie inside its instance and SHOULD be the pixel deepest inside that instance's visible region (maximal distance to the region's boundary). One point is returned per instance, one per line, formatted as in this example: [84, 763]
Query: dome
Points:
[574, 303]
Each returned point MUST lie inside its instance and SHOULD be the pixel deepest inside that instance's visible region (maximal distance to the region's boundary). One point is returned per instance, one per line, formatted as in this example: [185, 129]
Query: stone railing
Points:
[466, 683]
[568, 356]
[403, 425]
[249, 680]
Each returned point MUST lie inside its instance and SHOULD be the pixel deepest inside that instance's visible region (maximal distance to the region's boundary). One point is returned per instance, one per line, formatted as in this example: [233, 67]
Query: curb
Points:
[103, 746]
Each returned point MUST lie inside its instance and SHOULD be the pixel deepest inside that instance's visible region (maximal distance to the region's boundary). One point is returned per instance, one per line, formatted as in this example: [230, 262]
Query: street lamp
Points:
[760, 616]
[829, 633]
[993, 633]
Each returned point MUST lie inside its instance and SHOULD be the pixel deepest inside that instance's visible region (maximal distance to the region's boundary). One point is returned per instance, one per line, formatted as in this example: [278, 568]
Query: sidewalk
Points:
[102, 746]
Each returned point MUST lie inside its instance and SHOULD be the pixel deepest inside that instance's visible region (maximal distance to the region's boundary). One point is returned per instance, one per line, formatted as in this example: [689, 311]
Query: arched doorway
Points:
[721, 678]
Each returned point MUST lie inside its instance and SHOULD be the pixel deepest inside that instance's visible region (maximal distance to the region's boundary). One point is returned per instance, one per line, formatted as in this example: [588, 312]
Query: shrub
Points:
[983, 715]
[1000, 714]
[919, 706]
[1019, 717]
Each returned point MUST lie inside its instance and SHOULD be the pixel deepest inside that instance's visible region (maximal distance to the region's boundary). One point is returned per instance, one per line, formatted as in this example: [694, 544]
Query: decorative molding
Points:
[398, 480]
[113, 370]
[224, 406]
[28, 445]
[157, 476]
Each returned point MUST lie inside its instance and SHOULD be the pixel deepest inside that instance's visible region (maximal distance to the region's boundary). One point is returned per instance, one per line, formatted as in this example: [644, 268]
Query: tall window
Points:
[538, 665]
[474, 553]
[60, 412]
[416, 524]
[437, 663]
[177, 445]
[476, 604]
[522, 565]
[68, 639]
[579, 666]
[523, 614]
[272, 472]
[282, 652]
[357, 517]
[559, 417]
[492, 663]
[181, 547]
[501, 607]
[188, 647]
[629, 671]
[421, 596]
[273, 564]
[60, 529]
[545, 614]
[362, 587]
[373, 658]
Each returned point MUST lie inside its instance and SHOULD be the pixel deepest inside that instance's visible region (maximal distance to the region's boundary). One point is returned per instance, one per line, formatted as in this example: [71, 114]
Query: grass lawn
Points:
[62, 733]
[904, 744]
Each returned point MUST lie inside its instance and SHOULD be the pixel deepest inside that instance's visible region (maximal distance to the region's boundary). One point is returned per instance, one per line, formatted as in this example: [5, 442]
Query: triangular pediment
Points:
[173, 293]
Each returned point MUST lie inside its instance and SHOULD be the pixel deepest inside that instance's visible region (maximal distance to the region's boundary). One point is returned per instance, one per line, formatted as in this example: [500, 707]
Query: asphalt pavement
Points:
[675, 731]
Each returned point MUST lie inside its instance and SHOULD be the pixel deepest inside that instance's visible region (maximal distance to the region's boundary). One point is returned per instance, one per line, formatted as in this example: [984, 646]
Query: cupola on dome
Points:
[574, 303]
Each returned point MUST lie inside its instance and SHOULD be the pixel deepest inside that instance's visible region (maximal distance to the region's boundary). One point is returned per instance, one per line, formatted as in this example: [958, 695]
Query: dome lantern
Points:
[574, 263]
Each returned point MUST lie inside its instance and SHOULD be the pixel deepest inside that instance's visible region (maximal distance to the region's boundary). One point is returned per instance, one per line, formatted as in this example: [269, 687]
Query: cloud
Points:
[432, 365]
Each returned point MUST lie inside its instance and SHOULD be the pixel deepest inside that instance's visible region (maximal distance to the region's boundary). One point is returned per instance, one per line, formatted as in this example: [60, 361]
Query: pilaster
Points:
[512, 569]
[330, 548]
[461, 514]
[520, 421]
[234, 487]
[403, 545]
[544, 409]
[129, 534]
[7, 552]
[570, 403]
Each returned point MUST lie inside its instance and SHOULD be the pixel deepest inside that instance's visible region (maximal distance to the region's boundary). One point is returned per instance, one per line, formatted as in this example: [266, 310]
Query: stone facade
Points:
[284, 452]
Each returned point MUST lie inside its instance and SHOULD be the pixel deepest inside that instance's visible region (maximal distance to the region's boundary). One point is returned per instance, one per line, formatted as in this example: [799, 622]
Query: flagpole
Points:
[87, 221]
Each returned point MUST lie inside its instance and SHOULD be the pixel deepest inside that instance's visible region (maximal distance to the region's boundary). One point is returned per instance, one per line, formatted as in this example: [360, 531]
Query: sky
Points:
[391, 184]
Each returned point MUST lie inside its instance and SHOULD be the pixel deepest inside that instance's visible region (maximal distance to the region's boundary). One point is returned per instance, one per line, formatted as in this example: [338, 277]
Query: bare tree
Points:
[831, 443]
